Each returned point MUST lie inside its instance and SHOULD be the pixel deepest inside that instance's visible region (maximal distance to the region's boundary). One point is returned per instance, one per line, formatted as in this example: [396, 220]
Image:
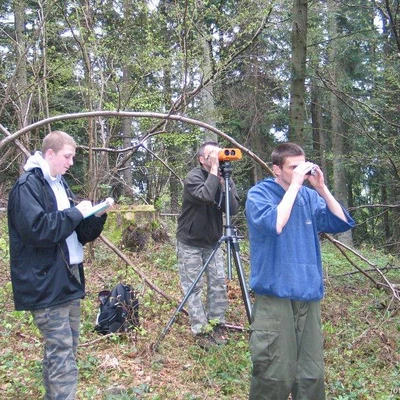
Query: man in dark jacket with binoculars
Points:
[199, 230]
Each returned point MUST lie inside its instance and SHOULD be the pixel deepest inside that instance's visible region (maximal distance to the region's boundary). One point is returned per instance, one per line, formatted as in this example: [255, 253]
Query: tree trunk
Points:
[208, 111]
[339, 172]
[21, 79]
[319, 140]
[297, 89]
[127, 137]
[173, 151]
[86, 27]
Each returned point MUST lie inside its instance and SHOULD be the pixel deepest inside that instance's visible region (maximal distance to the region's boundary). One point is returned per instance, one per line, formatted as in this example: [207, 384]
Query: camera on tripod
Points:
[229, 154]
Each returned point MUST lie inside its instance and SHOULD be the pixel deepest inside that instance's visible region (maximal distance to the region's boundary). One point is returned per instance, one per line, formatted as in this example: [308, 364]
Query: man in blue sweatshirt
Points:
[284, 219]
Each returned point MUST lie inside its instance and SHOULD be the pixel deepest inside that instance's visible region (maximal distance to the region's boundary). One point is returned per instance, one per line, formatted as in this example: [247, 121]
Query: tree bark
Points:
[318, 137]
[21, 81]
[297, 89]
[126, 123]
[207, 92]
[339, 171]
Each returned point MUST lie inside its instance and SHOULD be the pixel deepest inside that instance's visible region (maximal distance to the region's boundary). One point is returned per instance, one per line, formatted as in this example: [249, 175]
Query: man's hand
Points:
[84, 207]
[212, 158]
[110, 201]
[300, 173]
[308, 171]
[317, 180]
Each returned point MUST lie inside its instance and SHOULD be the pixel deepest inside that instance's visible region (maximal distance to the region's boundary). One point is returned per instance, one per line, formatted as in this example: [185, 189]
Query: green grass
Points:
[361, 335]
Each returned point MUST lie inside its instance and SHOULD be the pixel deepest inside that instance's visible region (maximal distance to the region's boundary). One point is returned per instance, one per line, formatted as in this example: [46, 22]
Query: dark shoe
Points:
[205, 340]
[220, 334]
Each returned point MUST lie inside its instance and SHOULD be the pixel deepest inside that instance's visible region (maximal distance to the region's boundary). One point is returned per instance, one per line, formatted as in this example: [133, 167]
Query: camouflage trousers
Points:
[59, 326]
[190, 262]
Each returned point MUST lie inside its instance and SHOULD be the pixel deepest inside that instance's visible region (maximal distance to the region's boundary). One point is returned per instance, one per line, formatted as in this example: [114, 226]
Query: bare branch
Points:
[163, 163]
[17, 142]
[374, 206]
[127, 114]
[341, 246]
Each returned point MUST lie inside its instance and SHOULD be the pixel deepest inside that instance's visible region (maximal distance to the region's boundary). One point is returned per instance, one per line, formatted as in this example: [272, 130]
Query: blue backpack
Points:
[119, 310]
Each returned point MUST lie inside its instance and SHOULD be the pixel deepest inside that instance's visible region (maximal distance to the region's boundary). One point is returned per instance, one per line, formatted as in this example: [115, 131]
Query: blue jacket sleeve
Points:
[261, 211]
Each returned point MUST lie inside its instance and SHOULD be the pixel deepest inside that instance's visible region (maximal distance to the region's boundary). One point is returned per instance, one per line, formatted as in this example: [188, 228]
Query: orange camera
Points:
[229, 154]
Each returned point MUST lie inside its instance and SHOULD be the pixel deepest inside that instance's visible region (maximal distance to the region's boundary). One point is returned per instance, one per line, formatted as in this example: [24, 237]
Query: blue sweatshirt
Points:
[288, 265]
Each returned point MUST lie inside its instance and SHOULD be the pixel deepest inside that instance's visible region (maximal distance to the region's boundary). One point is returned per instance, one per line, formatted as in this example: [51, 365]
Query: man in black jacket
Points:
[199, 230]
[47, 233]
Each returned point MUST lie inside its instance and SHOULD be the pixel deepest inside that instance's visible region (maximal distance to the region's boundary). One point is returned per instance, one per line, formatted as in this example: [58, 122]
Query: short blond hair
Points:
[56, 140]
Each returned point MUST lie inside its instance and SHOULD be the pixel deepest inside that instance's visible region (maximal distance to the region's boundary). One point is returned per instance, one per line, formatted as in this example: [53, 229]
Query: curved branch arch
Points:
[128, 114]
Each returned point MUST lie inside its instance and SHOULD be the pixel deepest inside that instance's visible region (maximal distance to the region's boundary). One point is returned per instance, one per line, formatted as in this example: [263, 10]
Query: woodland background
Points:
[141, 83]
[324, 74]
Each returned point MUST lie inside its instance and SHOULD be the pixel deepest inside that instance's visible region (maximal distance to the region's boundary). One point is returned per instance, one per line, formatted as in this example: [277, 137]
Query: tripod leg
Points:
[242, 280]
[186, 297]
[228, 258]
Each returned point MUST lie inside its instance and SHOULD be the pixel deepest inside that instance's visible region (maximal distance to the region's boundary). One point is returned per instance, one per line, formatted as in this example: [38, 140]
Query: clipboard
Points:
[100, 207]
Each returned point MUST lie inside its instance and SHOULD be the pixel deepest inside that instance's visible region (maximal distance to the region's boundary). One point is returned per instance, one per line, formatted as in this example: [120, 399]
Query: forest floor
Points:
[361, 326]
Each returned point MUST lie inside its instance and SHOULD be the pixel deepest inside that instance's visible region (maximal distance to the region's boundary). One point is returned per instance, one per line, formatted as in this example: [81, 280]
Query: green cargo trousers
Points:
[286, 346]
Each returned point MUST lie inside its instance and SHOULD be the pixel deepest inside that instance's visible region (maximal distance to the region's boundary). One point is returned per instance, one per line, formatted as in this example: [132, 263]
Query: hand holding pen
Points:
[84, 207]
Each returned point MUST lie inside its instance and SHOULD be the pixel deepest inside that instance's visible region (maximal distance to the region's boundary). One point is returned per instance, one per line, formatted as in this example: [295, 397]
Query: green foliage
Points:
[4, 254]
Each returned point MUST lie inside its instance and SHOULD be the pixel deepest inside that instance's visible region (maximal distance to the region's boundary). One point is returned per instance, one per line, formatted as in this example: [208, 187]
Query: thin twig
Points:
[340, 246]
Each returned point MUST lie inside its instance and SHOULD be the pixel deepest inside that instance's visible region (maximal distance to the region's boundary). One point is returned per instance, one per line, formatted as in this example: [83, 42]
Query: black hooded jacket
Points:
[200, 222]
[39, 257]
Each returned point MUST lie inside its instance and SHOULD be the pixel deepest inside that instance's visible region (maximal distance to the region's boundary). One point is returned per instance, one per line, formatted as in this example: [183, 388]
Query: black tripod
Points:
[231, 239]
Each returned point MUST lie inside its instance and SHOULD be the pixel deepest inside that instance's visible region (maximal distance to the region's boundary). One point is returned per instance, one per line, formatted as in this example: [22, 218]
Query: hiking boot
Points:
[205, 340]
[220, 334]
